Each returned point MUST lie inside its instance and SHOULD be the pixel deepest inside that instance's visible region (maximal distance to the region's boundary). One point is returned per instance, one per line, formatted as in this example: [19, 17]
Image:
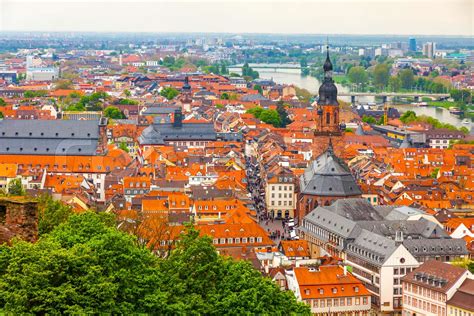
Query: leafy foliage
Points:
[113, 113]
[63, 84]
[35, 94]
[93, 102]
[407, 78]
[169, 93]
[358, 75]
[51, 214]
[247, 71]
[381, 75]
[15, 187]
[85, 266]
[283, 114]
[2, 102]
[369, 119]
[268, 116]
[128, 102]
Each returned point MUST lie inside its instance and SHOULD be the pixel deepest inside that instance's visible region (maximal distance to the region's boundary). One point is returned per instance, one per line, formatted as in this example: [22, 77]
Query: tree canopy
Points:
[268, 116]
[169, 93]
[381, 75]
[85, 265]
[358, 75]
[407, 78]
[113, 113]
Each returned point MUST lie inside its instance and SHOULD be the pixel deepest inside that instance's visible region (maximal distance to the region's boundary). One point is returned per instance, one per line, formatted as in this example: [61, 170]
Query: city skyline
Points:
[409, 18]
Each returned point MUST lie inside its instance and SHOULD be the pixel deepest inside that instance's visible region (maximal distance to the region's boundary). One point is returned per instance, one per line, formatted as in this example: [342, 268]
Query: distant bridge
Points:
[394, 94]
[267, 67]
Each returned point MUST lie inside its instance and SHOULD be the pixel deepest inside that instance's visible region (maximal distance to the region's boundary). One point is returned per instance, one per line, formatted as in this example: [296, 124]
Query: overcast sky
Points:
[405, 17]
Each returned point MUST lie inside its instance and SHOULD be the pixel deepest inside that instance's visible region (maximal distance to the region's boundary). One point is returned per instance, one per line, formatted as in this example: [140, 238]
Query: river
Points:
[293, 76]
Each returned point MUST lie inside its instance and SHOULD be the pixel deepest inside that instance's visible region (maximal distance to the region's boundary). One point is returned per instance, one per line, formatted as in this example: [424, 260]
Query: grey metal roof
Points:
[48, 137]
[328, 175]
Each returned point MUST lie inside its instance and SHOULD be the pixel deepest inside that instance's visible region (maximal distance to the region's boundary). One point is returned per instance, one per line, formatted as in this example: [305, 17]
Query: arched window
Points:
[328, 118]
[335, 117]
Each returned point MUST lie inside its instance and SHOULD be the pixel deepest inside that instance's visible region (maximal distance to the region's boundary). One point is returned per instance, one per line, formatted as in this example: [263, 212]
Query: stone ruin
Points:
[18, 218]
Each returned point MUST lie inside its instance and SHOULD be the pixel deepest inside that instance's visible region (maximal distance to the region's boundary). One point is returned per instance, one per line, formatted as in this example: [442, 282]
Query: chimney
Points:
[178, 118]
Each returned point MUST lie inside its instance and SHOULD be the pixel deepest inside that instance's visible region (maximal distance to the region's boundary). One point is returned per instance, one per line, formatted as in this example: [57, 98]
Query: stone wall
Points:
[18, 218]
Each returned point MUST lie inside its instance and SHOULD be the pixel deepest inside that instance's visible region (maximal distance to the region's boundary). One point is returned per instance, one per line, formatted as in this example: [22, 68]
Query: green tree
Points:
[206, 283]
[465, 130]
[407, 78]
[358, 75]
[113, 113]
[1, 115]
[128, 102]
[86, 266]
[2, 102]
[63, 84]
[381, 75]
[51, 214]
[408, 116]
[127, 93]
[394, 83]
[15, 187]
[83, 266]
[283, 114]
[369, 119]
[35, 94]
[247, 71]
[258, 88]
[270, 117]
[255, 111]
[123, 146]
[461, 95]
[434, 173]
[169, 92]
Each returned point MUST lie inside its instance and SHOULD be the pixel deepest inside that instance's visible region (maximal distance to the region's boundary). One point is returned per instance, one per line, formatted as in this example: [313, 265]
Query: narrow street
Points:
[275, 227]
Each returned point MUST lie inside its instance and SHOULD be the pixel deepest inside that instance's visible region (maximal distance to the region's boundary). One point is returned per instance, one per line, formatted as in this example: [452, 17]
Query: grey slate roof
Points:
[332, 222]
[49, 137]
[416, 229]
[355, 209]
[404, 212]
[157, 134]
[370, 237]
[328, 175]
[437, 246]
[372, 247]
[152, 110]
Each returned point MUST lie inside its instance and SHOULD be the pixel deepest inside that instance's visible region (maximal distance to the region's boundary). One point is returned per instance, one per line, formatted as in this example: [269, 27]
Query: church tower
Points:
[328, 107]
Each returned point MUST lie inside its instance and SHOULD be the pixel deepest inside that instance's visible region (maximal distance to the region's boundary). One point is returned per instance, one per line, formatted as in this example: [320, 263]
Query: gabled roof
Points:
[445, 273]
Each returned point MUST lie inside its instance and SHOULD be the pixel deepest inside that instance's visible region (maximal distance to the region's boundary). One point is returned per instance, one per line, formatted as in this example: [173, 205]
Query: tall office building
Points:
[412, 44]
[429, 49]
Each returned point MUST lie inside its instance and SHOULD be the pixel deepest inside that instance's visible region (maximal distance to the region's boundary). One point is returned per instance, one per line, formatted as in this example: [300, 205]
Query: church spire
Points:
[327, 67]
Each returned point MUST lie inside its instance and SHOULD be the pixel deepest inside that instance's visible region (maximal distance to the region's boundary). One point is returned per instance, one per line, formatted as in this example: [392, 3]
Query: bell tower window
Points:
[328, 118]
